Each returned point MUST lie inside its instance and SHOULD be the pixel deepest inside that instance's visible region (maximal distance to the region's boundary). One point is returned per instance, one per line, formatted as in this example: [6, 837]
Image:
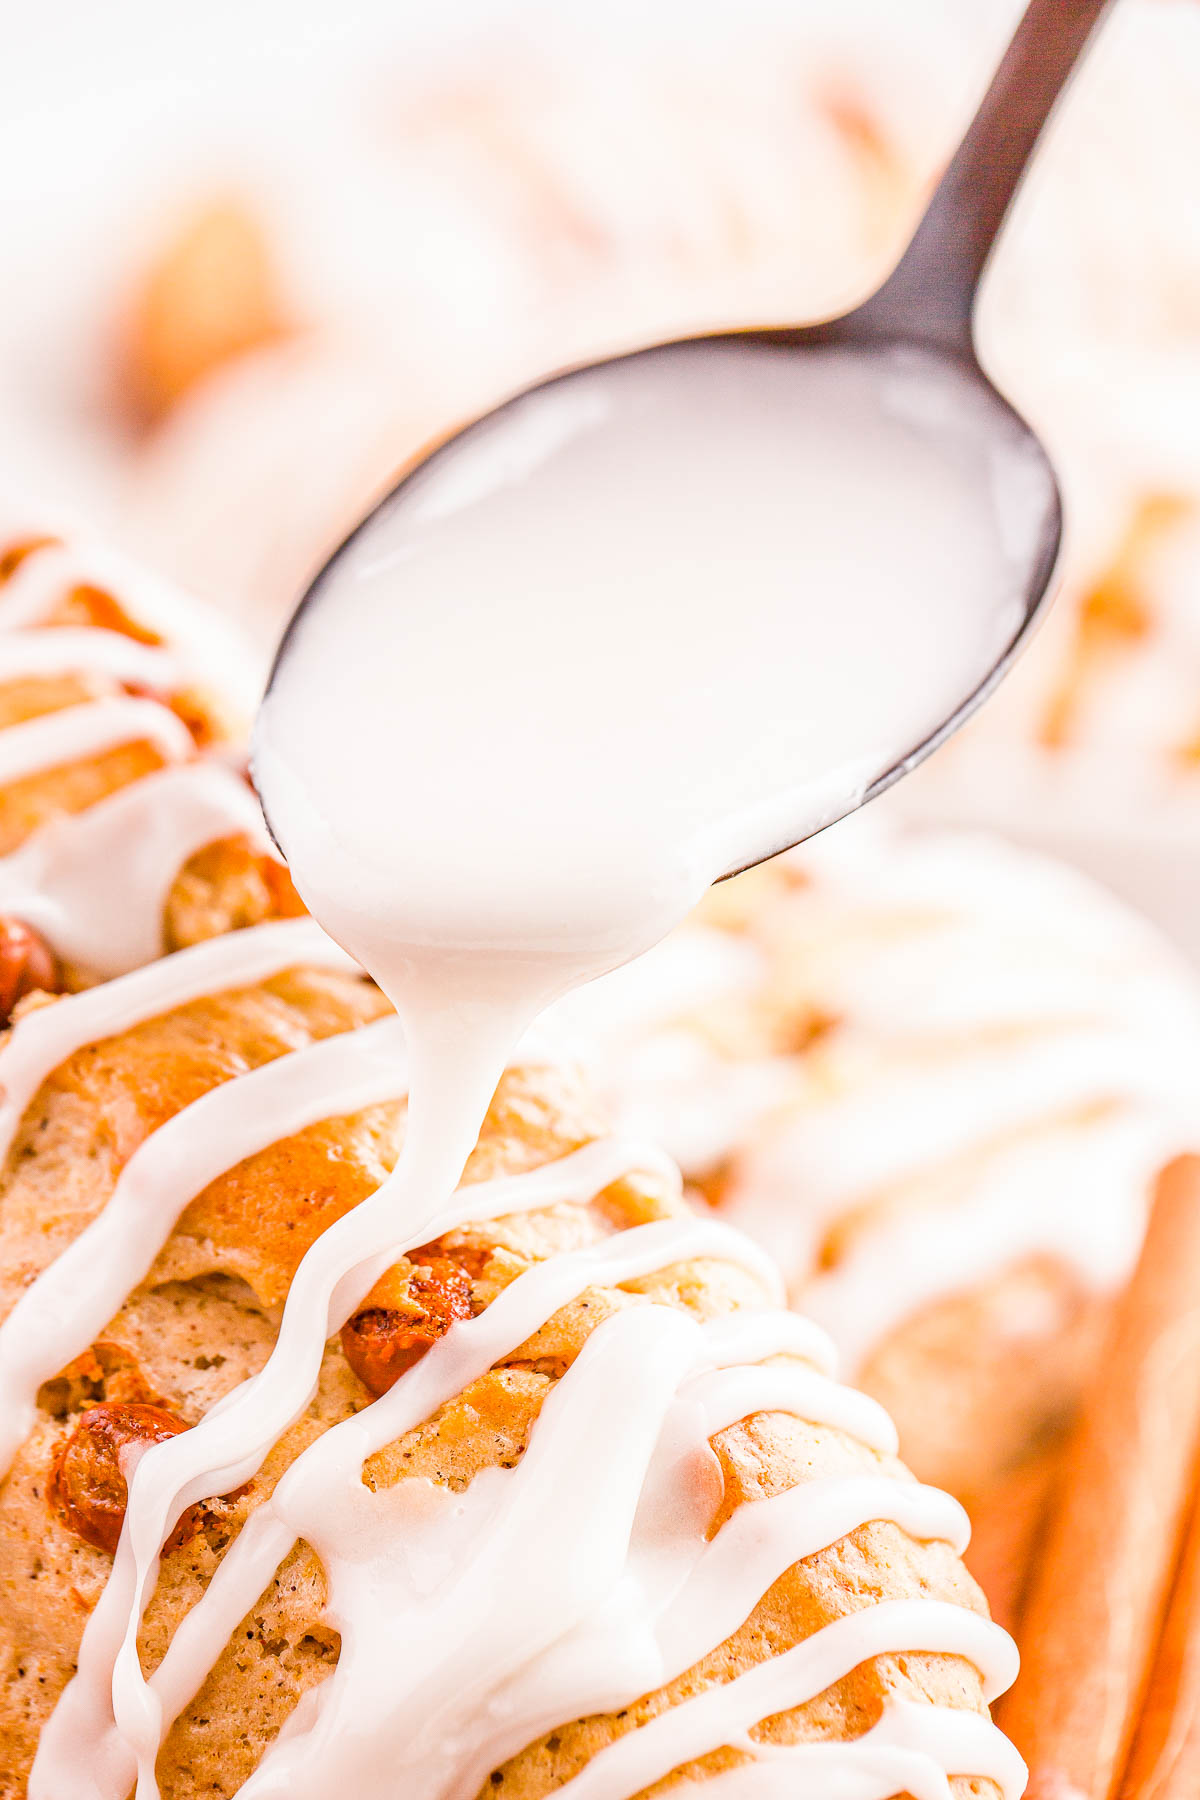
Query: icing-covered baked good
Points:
[937, 1077]
[566, 1504]
[126, 827]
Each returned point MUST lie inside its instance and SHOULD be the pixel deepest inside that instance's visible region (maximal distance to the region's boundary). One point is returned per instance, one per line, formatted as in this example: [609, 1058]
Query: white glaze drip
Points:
[1038, 1195]
[72, 1301]
[82, 649]
[41, 581]
[905, 1751]
[96, 883]
[52, 740]
[692, 1595]
[40, 1042]
[726, 1714]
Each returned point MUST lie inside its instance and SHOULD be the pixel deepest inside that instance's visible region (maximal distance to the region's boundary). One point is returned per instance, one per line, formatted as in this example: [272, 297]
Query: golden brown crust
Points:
[223, 887]
[55, 793]
[203, 1322]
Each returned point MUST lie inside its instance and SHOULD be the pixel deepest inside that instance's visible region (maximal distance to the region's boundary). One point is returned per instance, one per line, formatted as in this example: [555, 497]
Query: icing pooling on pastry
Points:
[618, 1485]
[95, 882]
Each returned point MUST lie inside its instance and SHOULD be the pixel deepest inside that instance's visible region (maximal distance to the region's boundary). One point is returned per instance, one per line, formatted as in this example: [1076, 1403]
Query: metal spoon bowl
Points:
[925, 308]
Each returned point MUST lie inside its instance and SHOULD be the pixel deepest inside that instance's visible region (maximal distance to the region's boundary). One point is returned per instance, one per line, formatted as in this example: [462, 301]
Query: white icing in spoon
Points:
[643, 626]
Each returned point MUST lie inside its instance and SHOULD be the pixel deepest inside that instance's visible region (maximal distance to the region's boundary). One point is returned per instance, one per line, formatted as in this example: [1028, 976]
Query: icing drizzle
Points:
[499, 1666]
[95, 883]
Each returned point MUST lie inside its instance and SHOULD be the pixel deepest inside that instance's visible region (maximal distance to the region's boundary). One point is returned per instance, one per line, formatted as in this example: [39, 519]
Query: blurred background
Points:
[257, 255]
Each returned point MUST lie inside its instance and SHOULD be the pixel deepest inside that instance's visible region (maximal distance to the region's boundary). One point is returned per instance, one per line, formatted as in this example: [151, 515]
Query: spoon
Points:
[921, 319]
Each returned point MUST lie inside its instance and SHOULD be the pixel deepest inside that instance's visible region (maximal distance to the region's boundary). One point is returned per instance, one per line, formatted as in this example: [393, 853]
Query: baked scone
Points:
[937, 1077]
[564, 1504]
[126, 827]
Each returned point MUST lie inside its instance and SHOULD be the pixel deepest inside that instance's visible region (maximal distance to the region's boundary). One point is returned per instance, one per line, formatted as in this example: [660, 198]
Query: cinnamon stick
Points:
[1098, 1594]
[1164, 1763]
[1006, 1526]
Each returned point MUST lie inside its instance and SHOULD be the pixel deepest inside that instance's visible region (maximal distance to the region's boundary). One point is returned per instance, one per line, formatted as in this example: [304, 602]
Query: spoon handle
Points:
[931, 292]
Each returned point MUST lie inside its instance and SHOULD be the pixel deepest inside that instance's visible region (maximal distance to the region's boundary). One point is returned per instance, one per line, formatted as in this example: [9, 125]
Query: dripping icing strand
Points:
[906, 1751]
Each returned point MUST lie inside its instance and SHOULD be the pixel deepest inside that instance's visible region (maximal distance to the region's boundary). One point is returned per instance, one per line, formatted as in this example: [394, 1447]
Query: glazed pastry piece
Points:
[566, 1504]
[211, 296]
[125, 828]
[937, 1077]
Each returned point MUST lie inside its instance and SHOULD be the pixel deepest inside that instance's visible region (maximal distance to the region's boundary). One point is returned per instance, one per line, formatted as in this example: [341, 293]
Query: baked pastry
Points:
[563, 1504]
[126, 827]
[937, 1077]
[211, 296]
